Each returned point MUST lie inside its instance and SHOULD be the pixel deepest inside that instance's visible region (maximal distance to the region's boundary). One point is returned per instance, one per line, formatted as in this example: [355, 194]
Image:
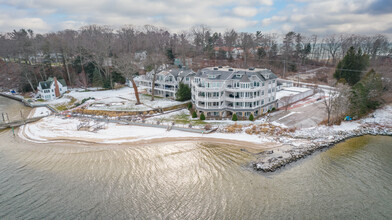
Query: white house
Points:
[224, 91]
[166, 82]
[51, 88]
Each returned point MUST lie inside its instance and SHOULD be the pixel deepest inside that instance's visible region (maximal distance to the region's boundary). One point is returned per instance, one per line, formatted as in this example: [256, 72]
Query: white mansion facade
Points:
[166, 82]
[223, 91]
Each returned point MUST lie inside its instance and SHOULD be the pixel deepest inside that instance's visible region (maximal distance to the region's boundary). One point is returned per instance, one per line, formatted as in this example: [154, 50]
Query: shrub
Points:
[251, 117]
[234, 118]
[273, 109]
[202, 116]
[207, 127]
[190, 106]
[184, 92]
[194, 115]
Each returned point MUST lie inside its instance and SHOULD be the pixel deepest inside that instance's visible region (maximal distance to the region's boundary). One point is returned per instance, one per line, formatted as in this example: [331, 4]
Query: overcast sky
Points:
[279, 16]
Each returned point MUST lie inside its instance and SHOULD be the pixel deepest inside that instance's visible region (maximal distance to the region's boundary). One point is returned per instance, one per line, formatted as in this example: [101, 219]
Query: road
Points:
[303, 114]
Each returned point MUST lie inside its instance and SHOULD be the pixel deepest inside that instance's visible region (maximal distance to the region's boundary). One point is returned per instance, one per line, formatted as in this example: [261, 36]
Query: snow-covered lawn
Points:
[40, 111]
[122, 99]
[54, 128]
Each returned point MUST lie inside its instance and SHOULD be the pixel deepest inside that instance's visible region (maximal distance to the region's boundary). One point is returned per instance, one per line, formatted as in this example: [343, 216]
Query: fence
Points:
[28, 104]
[154, 124]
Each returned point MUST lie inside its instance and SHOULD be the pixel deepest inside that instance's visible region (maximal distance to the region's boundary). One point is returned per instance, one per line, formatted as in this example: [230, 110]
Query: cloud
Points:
[10, 21]
[380, 7]
[173, 14]
[267, 2]
[245, 11]
[334, 16]
[307, 16]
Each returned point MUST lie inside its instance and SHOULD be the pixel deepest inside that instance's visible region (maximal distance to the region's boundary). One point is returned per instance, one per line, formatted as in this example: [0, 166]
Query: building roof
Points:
[177, 72]
[244, 79]
[46, 84]
[225, 73]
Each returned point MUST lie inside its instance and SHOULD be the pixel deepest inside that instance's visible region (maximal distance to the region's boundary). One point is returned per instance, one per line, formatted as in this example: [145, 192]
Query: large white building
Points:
[223, 91]
[51, 88]
[166, 82]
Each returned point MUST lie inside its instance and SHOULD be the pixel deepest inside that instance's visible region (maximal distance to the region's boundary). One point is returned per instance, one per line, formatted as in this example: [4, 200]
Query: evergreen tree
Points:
[202, 116]
[366, 94]
[251, 118]
[183, 93]
[351, 66]
[170, 55]
[97, 78]
[261, 53]
[194, 115]
[234, 118]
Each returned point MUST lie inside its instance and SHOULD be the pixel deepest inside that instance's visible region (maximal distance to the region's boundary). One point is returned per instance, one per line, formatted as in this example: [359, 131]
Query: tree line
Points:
[101, 55]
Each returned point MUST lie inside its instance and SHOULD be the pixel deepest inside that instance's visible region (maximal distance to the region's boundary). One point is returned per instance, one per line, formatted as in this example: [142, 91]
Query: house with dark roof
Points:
[224, 91]
[51, 88]
[166, 83]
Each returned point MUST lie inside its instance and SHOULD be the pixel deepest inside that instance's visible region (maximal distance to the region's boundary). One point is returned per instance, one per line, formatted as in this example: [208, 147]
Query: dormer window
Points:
[238, 75]
[211, 76]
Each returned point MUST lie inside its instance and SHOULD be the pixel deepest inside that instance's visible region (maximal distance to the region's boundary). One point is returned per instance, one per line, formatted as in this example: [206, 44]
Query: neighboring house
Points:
[223, 91]
[179, 62]
[166, 83]
[234, 52]
[141, 55]
[51, 88]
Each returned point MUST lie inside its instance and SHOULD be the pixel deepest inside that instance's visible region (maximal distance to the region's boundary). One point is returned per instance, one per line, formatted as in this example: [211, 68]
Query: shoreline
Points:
[272, 151]
[276, 162]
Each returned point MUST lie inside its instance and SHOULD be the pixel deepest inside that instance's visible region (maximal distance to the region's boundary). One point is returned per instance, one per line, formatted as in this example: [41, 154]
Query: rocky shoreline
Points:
[270, 161]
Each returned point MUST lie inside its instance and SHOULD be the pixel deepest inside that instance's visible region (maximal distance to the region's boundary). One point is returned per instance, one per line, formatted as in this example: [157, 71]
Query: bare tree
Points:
[230, 37]
[199, 35]
[98, 43]
[27, 74]
[336, 103]
[332, 45]
[126, 65]
[246, 42]
[155, 61]
[328, 103]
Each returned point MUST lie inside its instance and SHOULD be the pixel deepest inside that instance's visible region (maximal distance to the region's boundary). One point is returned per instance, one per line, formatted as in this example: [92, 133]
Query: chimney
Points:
[56, 87]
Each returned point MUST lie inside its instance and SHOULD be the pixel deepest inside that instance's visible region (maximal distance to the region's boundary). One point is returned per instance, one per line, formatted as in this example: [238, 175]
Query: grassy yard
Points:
[66, 106]
[149, 96]
[184, 118]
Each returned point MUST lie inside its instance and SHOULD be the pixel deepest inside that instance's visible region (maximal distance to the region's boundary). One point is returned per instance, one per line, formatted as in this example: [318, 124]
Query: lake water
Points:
[190, 180]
